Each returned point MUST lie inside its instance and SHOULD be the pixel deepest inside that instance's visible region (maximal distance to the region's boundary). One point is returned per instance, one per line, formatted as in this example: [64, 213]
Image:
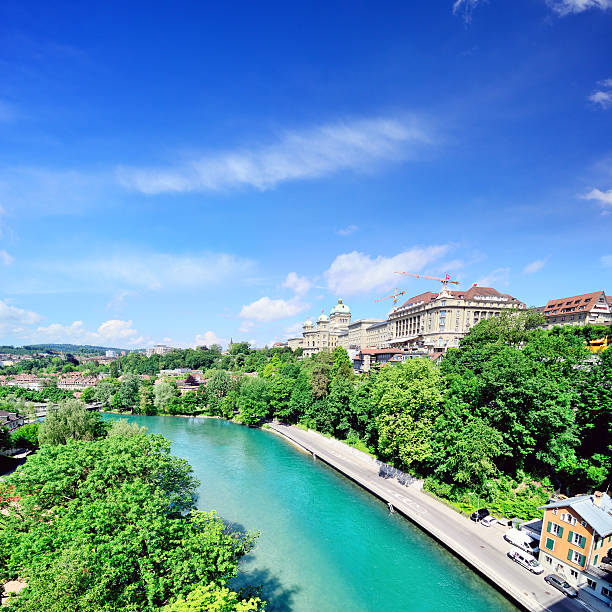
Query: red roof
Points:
[472, 294]
[576, 303]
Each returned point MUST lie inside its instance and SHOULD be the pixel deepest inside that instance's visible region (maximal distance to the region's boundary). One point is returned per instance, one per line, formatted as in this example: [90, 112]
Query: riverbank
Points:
[482, 549]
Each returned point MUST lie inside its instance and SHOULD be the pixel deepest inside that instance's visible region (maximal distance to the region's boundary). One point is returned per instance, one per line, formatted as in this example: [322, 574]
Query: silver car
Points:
[561, 584]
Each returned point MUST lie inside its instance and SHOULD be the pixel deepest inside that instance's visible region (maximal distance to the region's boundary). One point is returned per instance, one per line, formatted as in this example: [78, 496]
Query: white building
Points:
[159, 349]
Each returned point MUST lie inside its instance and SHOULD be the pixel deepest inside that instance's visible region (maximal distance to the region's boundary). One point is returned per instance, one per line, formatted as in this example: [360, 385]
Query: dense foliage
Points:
[110, 525]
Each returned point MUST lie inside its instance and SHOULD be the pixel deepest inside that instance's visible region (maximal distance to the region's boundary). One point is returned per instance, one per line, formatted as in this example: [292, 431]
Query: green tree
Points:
[124, 534]
[5, 439]
[253, 401]
[26, 436]
[70, 421]
[105, 390]
[88, 395]
[163, 393]
[214, 599]
[409, 396]
[128, 391]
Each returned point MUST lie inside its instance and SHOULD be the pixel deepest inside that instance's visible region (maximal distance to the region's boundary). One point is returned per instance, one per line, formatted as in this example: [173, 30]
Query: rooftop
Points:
[599, 517]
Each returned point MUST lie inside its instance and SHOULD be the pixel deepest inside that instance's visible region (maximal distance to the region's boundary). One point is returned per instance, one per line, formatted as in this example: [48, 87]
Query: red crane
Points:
[444, 281]
[393, 295]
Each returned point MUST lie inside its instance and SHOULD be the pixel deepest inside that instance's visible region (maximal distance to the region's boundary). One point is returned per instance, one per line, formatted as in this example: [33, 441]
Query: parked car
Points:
[487, 521]
[522, 541]
[479, 515]
[561, 584]
[526, 560]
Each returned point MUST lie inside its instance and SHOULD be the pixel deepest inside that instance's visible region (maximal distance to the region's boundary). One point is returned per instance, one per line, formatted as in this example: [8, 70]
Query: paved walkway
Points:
[481, 547]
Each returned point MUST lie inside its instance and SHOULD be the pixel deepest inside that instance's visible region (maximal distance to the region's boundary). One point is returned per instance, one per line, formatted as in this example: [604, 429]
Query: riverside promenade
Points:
[484, 549]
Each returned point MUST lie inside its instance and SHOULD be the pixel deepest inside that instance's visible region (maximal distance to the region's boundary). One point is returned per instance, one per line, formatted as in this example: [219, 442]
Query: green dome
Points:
[340, 307]
[307, 323]
[322, 318]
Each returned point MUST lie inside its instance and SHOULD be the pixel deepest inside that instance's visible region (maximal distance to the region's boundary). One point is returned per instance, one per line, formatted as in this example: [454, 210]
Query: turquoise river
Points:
[325, 544]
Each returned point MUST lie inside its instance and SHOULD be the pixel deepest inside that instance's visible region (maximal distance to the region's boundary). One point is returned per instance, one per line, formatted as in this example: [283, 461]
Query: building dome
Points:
[322, 318]
[308, 323]
[340, 307]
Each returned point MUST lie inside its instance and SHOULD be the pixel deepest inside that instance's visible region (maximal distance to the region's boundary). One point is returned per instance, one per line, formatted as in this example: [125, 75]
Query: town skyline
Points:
[231, 177]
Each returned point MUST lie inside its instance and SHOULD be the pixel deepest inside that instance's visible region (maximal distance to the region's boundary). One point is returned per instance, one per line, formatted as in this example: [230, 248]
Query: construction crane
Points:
[444, 281]
[393, 295]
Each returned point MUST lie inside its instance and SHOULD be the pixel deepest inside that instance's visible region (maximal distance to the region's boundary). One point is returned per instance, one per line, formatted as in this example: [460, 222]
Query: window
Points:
[574, 573]
[606, 592]
[575, 557]
[443, 302]
[595, 560]
[577, 539]
[548, 559]
[550, 544]
[555, 529]
[568, 518]
[591, 584]
[583, 523]
[555, 511]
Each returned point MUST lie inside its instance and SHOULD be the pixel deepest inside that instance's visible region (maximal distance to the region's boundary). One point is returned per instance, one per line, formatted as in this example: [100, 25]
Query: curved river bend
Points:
[325, 544]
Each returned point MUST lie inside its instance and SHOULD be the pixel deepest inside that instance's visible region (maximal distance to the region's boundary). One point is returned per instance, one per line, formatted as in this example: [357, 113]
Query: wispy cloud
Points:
[603, 95]
[465, 8]
[499, 277]
[569, 7]
[353, 273]
[150, 271]
[5, 258]
[606, 261]
[347, 231]
[603, 197]
[14, 320]
[535, 266]
[305, 154]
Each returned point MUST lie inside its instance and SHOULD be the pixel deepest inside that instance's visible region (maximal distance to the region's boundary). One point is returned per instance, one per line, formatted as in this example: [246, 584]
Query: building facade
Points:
[438, 321]
[576, 536]
[356, 335]
[159, 349]
[327, 333]
[378, 335]
[587, 309]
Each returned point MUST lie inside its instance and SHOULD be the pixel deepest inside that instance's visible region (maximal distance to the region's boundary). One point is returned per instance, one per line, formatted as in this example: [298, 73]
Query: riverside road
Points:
[481, 547]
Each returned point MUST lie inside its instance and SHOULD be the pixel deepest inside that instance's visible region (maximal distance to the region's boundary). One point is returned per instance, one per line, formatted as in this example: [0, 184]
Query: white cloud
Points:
[152, 271]
[306, 154]
[246, 327]
[606, 261]
[293, 330]
[5, 258]
[568, 7]
[347, 231]
[265, 309]
[603, 98]
[14, 320]
[208, 339]
[300, 284]
[603, 197]
[353, 273]
[112, 332]
[534, 266]
[500, 277]
[117, 302]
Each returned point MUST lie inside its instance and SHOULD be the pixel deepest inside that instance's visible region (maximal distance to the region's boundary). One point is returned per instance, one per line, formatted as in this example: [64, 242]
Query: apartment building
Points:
[586, 309]
[378, 335]
[576, 538]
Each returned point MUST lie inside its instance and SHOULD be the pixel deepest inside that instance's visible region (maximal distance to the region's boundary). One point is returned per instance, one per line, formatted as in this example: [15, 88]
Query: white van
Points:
[526, 560]
[522, 540]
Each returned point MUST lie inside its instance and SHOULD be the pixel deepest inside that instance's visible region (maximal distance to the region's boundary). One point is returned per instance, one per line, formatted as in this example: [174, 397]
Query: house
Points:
[12, 420]
[575, 542]
[366, 359]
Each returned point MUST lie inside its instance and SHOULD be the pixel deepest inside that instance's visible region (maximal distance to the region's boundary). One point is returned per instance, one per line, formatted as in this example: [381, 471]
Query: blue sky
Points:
[194, 172]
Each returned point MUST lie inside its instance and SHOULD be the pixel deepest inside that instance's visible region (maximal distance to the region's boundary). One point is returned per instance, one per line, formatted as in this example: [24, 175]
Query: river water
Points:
[325, 544]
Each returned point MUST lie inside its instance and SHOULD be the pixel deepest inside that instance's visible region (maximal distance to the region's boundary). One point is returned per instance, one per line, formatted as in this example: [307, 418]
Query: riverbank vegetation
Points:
[108, 522]
[513, 414]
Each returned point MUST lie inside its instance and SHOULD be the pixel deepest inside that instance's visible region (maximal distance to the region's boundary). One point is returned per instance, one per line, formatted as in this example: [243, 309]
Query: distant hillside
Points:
[75, 349]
